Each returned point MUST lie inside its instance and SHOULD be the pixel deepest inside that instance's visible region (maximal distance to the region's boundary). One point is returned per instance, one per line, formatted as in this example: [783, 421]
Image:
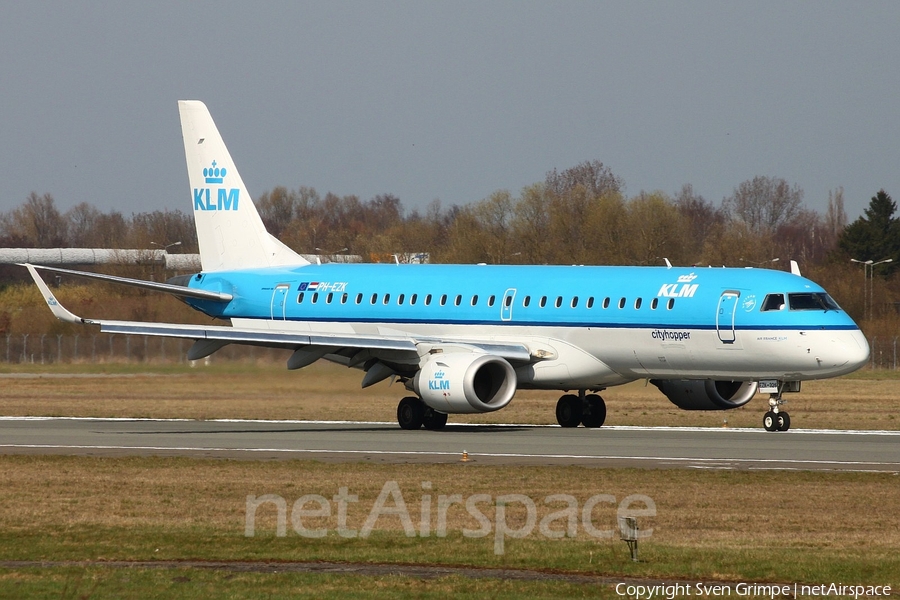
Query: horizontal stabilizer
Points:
[177, 290]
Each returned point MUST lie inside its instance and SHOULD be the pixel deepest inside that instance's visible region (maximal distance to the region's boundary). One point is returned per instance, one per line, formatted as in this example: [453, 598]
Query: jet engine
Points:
[461, 382]
[706, 394]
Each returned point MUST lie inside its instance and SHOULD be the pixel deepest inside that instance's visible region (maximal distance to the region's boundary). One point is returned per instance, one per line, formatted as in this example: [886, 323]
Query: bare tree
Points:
[836, 217]
[38, 221]
[596, 178]
[276, 209]
[764, 203]
[82, 220]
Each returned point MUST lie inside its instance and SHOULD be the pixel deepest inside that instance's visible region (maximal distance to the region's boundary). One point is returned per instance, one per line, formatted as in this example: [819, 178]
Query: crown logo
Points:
[214, 174]
[687, 278]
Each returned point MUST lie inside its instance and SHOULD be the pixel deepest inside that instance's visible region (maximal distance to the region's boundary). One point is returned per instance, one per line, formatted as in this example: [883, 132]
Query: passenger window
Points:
[315, 297]
[606, 303]
[558, 301]
[474, 299]
[374, 298]
[637, 304]
[443, 299]
[508, 301]
[491, 300]
[526, 301]
[359, 298]
[772, 302]
[654, 303]
[428, 300]
[413, 299]
[400, 299]
[458, 300]
[329, 297]
[387, 298]
[621, 302]
[574, 301]
[590, 302]
[543, 301]
[671, 304]
[300, 298]
[344, 298]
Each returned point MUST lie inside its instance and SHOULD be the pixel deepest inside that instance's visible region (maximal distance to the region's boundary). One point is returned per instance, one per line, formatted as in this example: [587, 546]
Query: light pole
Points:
[332, 254]
[868, 277]
[760, 263]
[166, 247]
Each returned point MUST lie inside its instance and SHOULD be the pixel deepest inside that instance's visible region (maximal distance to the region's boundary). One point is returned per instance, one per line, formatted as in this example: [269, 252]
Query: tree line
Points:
[580, 215]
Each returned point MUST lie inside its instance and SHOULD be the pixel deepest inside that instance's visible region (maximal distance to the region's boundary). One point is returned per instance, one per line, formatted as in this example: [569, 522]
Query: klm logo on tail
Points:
[224, 199]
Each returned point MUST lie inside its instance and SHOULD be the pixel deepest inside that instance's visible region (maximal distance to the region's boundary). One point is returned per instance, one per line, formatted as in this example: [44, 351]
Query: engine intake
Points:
[706, 394]
[461, 382]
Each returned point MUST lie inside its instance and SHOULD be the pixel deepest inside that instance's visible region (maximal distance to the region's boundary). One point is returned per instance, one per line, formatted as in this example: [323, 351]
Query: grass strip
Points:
[730, 525]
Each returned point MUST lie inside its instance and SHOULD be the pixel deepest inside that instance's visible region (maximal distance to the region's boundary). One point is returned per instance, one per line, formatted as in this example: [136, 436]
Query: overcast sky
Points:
[449, 100]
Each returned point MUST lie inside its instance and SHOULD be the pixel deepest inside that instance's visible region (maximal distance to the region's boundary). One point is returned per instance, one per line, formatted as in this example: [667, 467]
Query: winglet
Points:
[58, 310]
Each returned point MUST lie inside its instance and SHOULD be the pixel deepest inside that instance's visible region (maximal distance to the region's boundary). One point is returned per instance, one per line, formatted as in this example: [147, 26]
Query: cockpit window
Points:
[812, 301]
[773, 302]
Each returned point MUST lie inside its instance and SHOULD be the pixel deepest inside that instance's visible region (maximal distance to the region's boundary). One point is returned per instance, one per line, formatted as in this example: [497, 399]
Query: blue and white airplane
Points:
[464, 338]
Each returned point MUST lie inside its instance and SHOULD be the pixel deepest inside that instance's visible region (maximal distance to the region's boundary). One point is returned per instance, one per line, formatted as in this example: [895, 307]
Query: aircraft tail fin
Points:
[230, 232]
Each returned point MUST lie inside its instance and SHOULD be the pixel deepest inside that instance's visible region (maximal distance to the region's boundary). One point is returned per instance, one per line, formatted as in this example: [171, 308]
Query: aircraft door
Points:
[506, 306]
[279, 300]
[725, 312]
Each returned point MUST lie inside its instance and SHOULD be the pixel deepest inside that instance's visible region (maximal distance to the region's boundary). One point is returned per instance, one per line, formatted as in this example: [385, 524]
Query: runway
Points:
[643, 447]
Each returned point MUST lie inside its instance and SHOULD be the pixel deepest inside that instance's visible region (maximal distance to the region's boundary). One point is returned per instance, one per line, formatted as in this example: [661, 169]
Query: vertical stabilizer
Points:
[230, 232]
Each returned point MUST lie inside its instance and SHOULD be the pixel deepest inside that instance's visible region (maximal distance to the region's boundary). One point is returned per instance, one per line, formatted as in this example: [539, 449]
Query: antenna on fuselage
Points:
[795, 268]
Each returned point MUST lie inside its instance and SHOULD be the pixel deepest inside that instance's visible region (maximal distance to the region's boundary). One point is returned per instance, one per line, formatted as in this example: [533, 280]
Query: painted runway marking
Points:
[712, 463]
[758, 430]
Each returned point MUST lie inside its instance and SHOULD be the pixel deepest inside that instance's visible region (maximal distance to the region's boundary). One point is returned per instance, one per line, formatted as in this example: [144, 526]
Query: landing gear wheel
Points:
[784, 421]
[770, 421]
[434, 420]
[595, 411]
[568, 411]
[410, 413]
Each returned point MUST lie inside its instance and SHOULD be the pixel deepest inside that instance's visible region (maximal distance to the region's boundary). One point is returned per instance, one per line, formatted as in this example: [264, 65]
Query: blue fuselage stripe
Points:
[539, 296]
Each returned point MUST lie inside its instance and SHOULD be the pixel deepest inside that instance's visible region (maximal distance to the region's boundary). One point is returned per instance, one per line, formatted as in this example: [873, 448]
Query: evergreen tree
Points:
[875, 235]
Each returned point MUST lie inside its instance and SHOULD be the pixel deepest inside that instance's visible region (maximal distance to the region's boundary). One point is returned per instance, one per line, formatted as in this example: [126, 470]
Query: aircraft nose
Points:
[857, 350]
[854, 348]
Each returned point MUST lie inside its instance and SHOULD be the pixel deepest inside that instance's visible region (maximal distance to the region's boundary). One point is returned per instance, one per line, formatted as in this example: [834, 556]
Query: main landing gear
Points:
[775, 419]
[412, 413]
[589, 410]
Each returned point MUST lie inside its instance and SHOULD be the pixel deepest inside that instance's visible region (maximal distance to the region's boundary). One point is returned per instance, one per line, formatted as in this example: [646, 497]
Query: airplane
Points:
[465, 338]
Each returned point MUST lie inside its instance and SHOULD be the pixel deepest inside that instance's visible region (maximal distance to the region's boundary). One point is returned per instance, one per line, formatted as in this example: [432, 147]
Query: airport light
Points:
[868, 278]
[760, 263]
[165, 247]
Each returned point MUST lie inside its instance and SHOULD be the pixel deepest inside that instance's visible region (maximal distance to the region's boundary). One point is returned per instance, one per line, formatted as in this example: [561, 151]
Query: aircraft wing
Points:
[212, 337]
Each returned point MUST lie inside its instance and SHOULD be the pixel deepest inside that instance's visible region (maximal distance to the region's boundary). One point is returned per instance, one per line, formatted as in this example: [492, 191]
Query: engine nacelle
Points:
[461, 382]
[706, 394]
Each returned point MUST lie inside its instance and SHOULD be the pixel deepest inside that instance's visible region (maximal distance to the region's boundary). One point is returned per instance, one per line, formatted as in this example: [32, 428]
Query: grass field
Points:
[266, 390]
[728, 526]
[721, 526]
